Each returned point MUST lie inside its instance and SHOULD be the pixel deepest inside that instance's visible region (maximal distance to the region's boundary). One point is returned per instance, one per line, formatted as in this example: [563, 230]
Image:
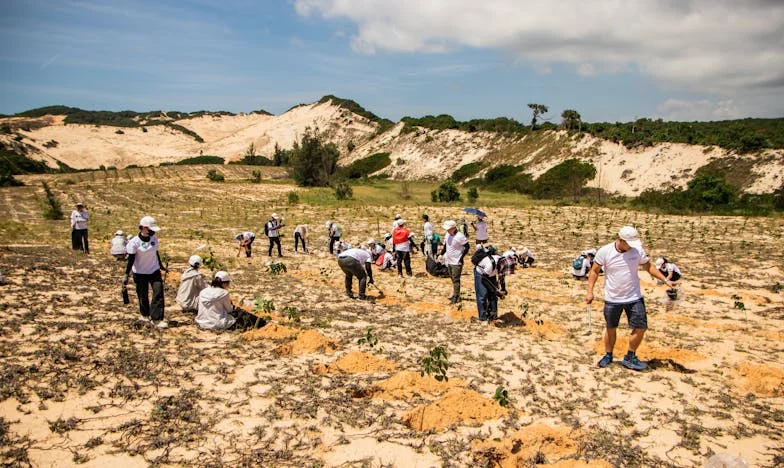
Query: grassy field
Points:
[82, 381]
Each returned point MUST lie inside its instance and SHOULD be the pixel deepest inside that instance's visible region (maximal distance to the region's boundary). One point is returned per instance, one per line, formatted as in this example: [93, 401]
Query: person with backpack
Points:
[245, 243]
[455, 248]
[622, 260]
[401, 239]
[79, 218]
[191, 284]
[144, 261]
[271, 230]
[486, 261]
[301, 235]
[356, 262]
[334, 230]
[480, 228]
[580, 266]
[119, 241]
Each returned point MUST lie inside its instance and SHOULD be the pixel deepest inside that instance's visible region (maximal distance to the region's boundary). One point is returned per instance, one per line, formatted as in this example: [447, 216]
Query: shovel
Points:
[590, 327]
[380, 292]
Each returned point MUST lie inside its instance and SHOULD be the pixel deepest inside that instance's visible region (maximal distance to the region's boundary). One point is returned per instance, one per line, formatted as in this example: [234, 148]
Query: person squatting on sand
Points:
[119, 243]
[301, 235]
[79, 218]
[271, 231]
[486, 284]
[245, 240]
[668, 269]
[191, 284]
[455, 248]
[525, 257]
[145, 263]
[582, 264]
[621, 261]
[356, 262]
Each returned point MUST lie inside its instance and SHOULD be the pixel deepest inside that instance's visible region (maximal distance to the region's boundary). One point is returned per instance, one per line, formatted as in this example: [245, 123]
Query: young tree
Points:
[312, 161]
[571, 119]
[538, 109]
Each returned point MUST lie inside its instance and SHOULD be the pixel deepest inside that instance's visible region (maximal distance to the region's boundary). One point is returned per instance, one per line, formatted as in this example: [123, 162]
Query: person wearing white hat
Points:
[455, 248]
[79, 218]
[480, 228]
[145, 262]
[401, 240]
[215, 307]
[525, 257]
[191, 284]
[245, 240]
[621, 261]
[119, 241]
[668, 269]
[271, 229]
[580, 266]
[356, 262]
[334, 231]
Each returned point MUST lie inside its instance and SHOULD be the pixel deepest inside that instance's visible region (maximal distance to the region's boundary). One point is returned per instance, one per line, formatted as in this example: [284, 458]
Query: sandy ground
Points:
[83, 381]
[417, 155]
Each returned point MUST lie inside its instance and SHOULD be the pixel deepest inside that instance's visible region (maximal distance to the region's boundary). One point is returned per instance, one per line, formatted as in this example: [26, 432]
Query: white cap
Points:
[119, 233]
[659, 263]
[401, 222]
[327, 224]
[238, 236]
[372, 241]
[195, 261]
[79, 204]
[449, 225]
[397, 216]
[149, 222]
[274, 216]
[223, 276]
[629, 234]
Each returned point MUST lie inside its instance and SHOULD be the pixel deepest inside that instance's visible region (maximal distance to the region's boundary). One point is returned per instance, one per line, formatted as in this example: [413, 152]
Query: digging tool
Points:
[126, 298]
[590, 326]
[380, 292]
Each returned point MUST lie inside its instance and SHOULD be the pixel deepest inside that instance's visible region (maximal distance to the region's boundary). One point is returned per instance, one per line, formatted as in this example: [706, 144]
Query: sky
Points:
[611, 60]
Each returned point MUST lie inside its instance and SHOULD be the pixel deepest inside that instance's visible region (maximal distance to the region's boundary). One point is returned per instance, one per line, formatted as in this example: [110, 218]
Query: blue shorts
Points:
[635, 313]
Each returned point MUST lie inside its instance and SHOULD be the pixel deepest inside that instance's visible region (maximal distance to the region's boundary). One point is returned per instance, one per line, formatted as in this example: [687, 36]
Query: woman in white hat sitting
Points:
[191, 284]
[119, 241]
[215, 307]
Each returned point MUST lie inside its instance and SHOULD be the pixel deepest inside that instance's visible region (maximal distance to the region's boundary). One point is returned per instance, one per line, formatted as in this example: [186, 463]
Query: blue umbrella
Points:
[475, 211]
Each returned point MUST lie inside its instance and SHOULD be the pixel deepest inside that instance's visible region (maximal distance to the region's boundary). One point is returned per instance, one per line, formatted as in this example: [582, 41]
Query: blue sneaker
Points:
[633, 363]
[606, 360]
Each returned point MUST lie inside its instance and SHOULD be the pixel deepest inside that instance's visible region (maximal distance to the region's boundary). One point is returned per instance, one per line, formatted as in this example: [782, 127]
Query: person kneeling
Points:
[216, 312]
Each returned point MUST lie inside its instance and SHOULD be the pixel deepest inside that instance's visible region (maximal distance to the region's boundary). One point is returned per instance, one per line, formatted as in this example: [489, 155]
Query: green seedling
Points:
[276, 268]
[436, 364]
[738, 303]
[291, 313]
[213, 263]
[369, 339]
[501, 396]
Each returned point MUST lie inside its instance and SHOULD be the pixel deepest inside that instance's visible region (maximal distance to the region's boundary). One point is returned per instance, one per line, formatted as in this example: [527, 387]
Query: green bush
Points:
[281, 157]
[293, 197]
[8, 180]
[343, 190]
[446, 192]
[52, 208]
[312, 161]
[256, 177]
[501, 172]
[473, 194]
[566, 179]
[215, 176]
[466, 170]
[13, 163]
[363, 167]
[254, 160]
[205, 159]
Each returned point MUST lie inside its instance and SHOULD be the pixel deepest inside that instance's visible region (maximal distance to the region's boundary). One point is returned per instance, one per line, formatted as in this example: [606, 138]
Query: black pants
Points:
[332, 241]
[152, 309]
[351, 267]
[297, 239]
[79, 240]
[249, 248]
[274, 241]
[403, 257]
[454, 273]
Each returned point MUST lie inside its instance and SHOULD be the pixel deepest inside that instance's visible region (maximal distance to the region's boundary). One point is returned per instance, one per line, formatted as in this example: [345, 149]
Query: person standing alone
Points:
[145, 263]
[621, 261]
[79, 218]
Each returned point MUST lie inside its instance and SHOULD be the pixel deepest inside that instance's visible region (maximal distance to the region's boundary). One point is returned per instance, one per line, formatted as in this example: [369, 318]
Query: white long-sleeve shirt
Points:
[214, 308]
[79, 219]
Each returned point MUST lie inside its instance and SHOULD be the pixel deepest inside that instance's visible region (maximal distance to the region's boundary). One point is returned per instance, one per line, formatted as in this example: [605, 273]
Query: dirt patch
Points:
[464, 312]
[271, 331]
[426, 307]
[406, 384]
[458, 406]
[648, 351]
[760, 379]
[543, 328]
[355, 362]
[309, 341]
[535, 444]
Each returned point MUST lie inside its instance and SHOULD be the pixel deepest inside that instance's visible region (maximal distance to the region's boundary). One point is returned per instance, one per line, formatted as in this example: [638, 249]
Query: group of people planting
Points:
[620, 261]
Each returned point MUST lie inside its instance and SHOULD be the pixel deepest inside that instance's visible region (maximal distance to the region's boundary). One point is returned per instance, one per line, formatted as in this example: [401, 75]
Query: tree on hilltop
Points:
[571, 119]
[538, 109]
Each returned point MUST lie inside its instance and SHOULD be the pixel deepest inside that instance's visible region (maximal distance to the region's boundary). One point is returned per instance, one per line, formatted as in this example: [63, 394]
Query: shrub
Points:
[293, 197]
[366, 166]
[466, 170]
[501, 172]
[446, 192]
[8, 180]
[350, 146]
[52, 208]
[254, 160]
[312, 161]
[201, 159]
[215, 176]
[567, 178]
[473, 194]
[343, 190]
[256, 177]
[119, 132]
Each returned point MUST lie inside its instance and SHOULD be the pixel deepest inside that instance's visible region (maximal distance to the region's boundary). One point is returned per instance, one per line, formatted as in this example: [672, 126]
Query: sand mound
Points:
[308, 342]
[760, 379]
[406, 384]
[271, 331]
[355, 362]
[458, 406]
[543, 328]
[522, 447]
[648, 351]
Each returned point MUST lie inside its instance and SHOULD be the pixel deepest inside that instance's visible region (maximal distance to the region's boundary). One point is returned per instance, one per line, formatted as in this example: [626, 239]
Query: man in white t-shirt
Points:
[427, 227]
[480, 226]
[356, 262]
[455, 248]
[486, 285]
[621, 261]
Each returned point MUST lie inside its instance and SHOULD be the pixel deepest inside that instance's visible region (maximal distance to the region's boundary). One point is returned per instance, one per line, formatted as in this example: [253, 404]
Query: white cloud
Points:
[702, 109]
[716, 47]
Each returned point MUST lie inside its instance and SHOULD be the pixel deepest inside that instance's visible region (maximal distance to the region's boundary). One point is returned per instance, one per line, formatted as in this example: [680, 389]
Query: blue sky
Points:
[610, 60]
